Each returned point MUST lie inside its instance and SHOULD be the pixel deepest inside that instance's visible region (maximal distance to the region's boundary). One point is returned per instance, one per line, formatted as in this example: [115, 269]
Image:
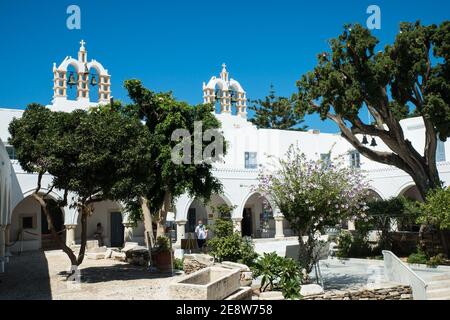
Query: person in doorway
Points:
[201, 233]
[99, 234]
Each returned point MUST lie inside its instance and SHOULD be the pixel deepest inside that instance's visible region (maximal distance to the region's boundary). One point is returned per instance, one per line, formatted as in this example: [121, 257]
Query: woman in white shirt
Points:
[202, 233]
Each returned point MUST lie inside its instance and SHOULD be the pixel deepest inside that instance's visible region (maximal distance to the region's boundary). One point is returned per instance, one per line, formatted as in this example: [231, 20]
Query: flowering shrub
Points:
[313, 194]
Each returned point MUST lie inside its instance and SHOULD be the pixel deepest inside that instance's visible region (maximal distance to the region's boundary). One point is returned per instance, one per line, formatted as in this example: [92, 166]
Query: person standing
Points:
[201, 233]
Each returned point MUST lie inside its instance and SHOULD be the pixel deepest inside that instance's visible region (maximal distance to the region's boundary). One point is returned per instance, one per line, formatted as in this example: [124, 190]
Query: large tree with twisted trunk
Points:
[91, 156]
[411, 77]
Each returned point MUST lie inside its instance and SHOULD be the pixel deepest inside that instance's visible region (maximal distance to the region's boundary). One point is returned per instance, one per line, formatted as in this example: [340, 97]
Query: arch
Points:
[224, 196]
[411, 191]
[69, 61]
[217, 82]
[257, 222]
[98, 67]
[236, 86]
[269, 199]
[52, 195]
[373, 194]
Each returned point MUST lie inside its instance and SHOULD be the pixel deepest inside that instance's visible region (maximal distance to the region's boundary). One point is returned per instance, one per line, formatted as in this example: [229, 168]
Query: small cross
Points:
[224, 65]
[82, 43]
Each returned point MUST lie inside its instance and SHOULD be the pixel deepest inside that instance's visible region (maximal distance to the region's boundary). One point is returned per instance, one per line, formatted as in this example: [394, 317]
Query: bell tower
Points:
[227, 92]
[82, 79]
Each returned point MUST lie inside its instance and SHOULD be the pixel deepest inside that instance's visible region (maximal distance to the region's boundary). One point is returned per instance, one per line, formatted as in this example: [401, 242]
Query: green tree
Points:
[312, 196]
[163, 115]
[411, 76]
[275, 112]
[436, 211]
[91, 156]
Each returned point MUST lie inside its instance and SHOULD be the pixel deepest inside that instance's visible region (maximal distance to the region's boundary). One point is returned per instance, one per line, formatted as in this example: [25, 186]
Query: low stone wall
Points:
[393, 293]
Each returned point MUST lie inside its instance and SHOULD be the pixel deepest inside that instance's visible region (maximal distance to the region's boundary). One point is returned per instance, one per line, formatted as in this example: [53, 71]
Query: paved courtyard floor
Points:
[41, 275]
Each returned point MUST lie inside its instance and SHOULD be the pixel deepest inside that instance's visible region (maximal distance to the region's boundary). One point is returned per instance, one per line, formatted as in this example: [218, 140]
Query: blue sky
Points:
[176, 45]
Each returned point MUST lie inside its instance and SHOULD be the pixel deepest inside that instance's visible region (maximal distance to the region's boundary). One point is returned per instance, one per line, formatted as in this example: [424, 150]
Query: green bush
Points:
[354, 246]
[418, 258]
[278, 273]
[227, 245]
[178, 264]
[162, 244]
[436, 260]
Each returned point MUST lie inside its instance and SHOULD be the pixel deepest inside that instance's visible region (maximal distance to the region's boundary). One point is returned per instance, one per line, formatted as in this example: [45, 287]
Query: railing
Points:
[397, 271]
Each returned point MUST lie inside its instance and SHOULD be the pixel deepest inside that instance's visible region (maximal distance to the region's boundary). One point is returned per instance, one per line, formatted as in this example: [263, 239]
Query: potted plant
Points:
[162, 254]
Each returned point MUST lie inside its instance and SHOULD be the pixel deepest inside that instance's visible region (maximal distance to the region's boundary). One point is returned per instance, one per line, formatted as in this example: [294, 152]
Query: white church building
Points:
[23, 227]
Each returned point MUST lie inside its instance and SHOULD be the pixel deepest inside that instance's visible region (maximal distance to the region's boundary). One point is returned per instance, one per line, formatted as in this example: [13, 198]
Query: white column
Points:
[2, 248]
[237, 225]
[279, 232]
[181, 224]
[128, 232]
[70, 234]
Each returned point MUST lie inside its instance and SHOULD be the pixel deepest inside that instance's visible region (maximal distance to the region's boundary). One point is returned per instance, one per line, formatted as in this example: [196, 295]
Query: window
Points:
[440, 151]
[11, 152]
[28, 222]
[355, 160]
[250, 160]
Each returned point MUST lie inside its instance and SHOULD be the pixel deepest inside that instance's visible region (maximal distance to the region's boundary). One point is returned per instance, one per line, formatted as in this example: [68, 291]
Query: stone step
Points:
[444, 276]
[442, 298]
[438, 284]
[436, 293]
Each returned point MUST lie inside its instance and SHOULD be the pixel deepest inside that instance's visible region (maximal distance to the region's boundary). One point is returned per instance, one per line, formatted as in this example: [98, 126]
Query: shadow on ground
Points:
[26, 278]
[117, 272]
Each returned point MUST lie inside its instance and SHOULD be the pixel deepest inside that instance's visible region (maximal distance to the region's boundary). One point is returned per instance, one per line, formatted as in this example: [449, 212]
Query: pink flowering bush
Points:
[313, 194]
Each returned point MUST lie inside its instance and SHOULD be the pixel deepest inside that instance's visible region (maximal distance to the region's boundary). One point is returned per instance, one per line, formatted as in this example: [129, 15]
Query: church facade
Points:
[23, 227]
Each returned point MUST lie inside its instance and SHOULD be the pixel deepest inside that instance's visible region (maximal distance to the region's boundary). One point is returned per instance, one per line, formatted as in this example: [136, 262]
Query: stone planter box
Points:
[211, 283]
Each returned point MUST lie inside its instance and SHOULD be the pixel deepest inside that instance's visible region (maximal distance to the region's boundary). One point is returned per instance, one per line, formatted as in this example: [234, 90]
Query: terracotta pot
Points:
[163, 260]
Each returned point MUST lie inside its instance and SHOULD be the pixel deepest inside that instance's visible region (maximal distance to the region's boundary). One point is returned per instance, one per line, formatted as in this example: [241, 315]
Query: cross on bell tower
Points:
[82, 53]
[224, 73]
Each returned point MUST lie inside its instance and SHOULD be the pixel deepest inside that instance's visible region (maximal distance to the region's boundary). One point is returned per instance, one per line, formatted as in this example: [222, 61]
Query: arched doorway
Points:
[257, 217]
[412, 193]
[198, 210]
[57, 216]
[29, 226]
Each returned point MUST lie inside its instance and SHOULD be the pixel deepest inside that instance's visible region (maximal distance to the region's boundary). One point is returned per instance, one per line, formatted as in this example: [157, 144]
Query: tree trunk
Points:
[162, 216]
[55, 235]
[84, 214]
[148, 225]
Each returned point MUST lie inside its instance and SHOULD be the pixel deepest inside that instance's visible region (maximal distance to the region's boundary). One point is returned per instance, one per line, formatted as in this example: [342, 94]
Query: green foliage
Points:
[418, 258]
[313, 196]
[90, 154]
[162, 244]
[276, 113]
[223, 210]
[178, 264]
[436, 260]
[381, 213]
[222, 228]
[421, 257]
[436, 208]
[354, 246]
[278, 273]
[162, 115]
[409, 77]
[247, 251]
[227, 245]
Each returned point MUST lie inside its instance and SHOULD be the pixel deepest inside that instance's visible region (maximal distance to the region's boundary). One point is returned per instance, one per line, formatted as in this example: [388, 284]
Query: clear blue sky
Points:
[176, 45]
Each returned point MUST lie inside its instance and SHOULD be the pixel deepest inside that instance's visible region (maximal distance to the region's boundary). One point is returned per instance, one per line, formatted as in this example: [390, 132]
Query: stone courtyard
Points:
[41, 275]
